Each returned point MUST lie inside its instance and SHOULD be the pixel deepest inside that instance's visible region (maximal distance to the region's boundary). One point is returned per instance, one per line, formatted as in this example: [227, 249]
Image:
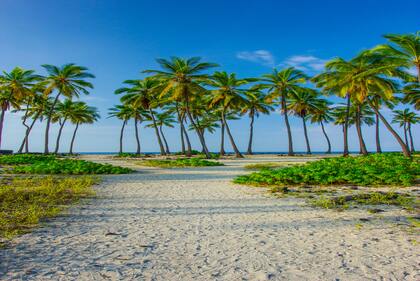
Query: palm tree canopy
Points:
[256, 103]
[366, 115]
[141, 93]
[405, 117]
[303, 103]
[69, 80]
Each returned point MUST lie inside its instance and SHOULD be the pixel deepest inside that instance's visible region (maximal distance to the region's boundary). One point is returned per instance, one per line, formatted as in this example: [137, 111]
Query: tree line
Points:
[183, 92]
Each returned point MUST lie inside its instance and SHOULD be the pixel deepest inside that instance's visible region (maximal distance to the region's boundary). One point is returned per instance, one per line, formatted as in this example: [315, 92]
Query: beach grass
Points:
[24, 202]
[269, 165]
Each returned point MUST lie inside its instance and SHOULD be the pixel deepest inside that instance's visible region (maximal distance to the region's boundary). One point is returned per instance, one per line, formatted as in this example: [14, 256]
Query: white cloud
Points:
[259, 56]
[305, 62]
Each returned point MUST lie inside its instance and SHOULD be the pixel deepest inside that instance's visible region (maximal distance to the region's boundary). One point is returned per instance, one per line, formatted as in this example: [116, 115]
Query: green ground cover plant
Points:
[25, 201]
[20, 159]
[179, 163]
[68, 167]
[268, 165]
[372, 170]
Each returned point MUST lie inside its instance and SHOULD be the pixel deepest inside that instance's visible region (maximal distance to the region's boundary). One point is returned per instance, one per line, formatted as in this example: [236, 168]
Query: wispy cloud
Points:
[263, 57]
[305, 62]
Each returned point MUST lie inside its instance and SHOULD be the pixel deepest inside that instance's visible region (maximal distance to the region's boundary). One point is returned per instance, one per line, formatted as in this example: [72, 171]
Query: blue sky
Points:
[118, 39]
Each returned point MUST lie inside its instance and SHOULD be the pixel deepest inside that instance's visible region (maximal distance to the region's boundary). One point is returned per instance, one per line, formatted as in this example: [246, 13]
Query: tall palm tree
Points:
[69, 81]
[281, 84]
[124, 113]
[229, 115]
[256, 104]
[163, 119]
[302, 104]
[228, 95]
[143, 94]
[63, 111]
[83, 114]
[181, 80]
[15, 86]
[404, 49]
[321, 116]
[405, 118]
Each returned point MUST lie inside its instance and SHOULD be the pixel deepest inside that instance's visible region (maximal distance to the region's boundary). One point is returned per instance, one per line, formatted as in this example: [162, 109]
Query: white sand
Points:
[193, 224]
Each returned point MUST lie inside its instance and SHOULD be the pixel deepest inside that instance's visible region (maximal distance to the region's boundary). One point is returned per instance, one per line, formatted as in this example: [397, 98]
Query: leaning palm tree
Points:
[83, 114]
[302, 104]
[63, 111]
[124, 113]
[405, 118]
[143, 94]
[281, 84]
[256, 104]
[404, 49]
[228, 95]
[163, 119]
[15, 86]
[181, 79]
[321, 116]
[69, 81]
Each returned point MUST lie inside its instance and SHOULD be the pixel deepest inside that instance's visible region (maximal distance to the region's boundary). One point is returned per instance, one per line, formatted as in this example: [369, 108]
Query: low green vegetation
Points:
[268, 165]
[371, 170]
[69, 167]
[25, 201]
[179, 163]
[129, 155]
[20, 159]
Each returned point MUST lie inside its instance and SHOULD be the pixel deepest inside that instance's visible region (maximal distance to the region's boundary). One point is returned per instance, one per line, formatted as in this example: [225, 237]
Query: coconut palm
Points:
[15, 86]
[411, 93]
[321, 116]
[143, 94]
[63, 111]
[181, 80]
[281, 84]
[302, 104]
[69, 81]
[82, 114]
[256, 104]
[163, 119]
[227, 95]
[124, 113]
[405, 118]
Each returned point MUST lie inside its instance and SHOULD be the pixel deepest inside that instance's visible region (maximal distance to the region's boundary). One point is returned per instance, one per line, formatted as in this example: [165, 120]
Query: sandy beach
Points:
[194, 224]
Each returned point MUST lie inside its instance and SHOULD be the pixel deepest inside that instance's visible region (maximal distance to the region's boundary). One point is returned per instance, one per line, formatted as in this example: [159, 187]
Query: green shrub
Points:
[20, 159]
[69, 167]
[128, 155]
[23, 202]
[179, 163]
[268, 165]
[375, 169]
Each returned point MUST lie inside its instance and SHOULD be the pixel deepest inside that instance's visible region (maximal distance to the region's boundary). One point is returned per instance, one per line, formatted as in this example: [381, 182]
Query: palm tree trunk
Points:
[251, 133]
[222, 138]
[305, 131]
[362, 144]
[3, 112]
[412, 149]
[47, 128]
[25, 117]
[57, 143]
[200, 137]
[286, 120]
[136, 128]
[73, 138]
[180, 129]
[346, 128]
[404, 148]
[405, 134]
[122, 136]
[162, 149]
[326, 137]
[378, 141]
[164, 140]
[232, 142]
[25, 142]
[187, 139]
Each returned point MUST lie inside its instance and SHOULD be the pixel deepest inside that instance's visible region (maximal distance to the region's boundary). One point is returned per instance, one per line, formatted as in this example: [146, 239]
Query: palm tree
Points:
[163, 119]
[83, 114]
[281, 84]
[229, 115]
[256, 104]
[405, 118]
[124, 113]
[143, 94]
[403, 49]
[302, 104]
[323, 115]
[68, 80]
[63, 111]
[228, 95]
[15, 86]
[181, 80]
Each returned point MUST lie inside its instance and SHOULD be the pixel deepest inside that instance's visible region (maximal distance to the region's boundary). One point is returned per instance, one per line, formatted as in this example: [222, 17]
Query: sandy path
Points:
[184, 224]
